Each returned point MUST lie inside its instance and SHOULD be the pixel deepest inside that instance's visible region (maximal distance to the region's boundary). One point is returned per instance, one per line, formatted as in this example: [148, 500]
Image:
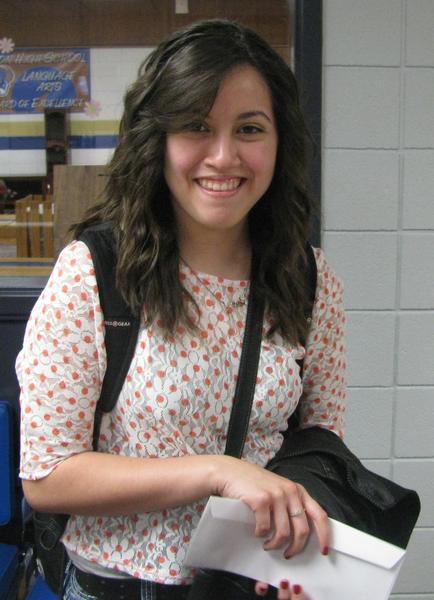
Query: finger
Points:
[299, 524]
[263, 521]
[284, 591]
[281, 526]
[300, 535]
[261, 588]
[319, 518]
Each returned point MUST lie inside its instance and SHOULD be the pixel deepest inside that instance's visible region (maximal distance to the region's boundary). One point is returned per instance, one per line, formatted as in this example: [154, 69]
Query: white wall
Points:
[112, 71]
[378, 232]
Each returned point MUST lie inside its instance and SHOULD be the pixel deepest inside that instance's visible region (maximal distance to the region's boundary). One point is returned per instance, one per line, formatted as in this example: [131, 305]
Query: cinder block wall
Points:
[378, 232]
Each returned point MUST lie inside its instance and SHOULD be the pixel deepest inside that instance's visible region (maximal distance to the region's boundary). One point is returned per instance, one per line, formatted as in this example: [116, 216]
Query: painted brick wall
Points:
[378, 232]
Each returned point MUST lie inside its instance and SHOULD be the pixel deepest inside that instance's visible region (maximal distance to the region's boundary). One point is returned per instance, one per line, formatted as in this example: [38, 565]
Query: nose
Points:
[223, 152]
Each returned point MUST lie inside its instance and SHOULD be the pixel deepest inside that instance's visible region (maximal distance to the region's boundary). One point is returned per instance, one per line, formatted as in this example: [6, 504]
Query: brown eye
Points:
[195, 127]
[251, 129]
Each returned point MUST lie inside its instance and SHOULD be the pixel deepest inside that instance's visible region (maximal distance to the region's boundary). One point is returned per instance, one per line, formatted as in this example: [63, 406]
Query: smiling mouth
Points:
[226, 185]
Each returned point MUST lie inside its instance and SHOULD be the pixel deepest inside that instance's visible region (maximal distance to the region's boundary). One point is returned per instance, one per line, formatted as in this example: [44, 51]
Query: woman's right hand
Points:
[283, 509]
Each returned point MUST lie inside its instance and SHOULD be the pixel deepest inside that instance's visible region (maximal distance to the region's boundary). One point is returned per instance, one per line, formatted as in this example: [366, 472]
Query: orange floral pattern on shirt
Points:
[175, 401]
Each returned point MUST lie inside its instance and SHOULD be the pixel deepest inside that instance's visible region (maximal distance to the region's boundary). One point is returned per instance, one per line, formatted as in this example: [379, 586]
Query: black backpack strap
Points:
[311, 280]
[121, 326]
[121, 332]
[242, 405]
[311, 276]
[246, 382]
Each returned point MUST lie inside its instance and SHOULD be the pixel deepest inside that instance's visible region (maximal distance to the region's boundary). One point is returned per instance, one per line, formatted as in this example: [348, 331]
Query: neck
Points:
[225, 256]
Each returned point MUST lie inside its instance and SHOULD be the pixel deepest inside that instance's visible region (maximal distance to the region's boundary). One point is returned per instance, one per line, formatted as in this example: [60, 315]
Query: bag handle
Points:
[245, 388]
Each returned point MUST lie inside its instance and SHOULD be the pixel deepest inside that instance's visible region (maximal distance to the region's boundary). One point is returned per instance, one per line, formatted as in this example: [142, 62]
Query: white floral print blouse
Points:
[176, 399]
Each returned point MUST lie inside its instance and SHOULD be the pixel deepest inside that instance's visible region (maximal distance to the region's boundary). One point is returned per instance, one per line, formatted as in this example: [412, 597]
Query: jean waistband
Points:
[108, 588]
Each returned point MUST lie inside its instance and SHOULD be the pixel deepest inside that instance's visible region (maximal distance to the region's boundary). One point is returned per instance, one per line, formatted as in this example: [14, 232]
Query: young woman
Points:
[210, 170]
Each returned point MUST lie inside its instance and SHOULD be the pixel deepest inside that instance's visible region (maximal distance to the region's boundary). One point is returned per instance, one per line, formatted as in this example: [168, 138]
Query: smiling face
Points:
[218, 168]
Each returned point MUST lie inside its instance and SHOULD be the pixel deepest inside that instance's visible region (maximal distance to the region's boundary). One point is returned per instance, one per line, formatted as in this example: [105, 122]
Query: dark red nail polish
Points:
[325, 550]
[296, 589]
[284, 584]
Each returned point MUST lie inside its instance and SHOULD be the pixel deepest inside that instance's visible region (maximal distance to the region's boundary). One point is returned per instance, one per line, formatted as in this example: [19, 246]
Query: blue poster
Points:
[34, 80]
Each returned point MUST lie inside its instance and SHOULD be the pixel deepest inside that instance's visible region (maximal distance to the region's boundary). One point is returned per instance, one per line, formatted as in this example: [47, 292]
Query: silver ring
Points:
[298, 512]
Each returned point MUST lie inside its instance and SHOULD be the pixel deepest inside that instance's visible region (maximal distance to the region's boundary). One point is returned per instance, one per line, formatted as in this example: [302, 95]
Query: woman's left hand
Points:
[285, 591]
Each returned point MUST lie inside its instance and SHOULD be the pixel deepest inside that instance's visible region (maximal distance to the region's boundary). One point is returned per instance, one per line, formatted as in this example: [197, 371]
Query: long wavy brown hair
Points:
[179, 82]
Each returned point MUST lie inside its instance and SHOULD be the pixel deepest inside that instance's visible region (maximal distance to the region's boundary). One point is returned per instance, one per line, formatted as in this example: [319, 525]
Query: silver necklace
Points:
[237, 303]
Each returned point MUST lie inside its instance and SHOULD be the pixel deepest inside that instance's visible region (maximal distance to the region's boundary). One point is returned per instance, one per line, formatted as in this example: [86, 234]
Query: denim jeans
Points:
[149, 590]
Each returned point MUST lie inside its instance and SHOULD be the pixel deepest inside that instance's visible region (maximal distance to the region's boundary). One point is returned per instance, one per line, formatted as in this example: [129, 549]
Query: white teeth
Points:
[220, 186]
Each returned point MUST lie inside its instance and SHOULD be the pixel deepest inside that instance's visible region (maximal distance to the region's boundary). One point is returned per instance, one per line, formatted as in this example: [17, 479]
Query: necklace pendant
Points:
[238, 303]
[229, 304]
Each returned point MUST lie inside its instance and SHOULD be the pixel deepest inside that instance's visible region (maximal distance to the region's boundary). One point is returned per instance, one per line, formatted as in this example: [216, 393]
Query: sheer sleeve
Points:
[324, 376]
[61, 366]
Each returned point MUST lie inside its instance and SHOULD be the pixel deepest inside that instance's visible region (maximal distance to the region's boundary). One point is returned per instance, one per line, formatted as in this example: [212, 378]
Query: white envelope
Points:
[358, 567]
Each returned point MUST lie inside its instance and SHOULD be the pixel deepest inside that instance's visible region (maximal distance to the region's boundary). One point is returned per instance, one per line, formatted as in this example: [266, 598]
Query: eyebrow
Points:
[254, 113]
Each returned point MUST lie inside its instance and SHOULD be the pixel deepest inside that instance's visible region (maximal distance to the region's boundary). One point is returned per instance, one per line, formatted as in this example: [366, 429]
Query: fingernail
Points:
[284, 584]
[296, 589]
[325, 551]
[261, 592]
